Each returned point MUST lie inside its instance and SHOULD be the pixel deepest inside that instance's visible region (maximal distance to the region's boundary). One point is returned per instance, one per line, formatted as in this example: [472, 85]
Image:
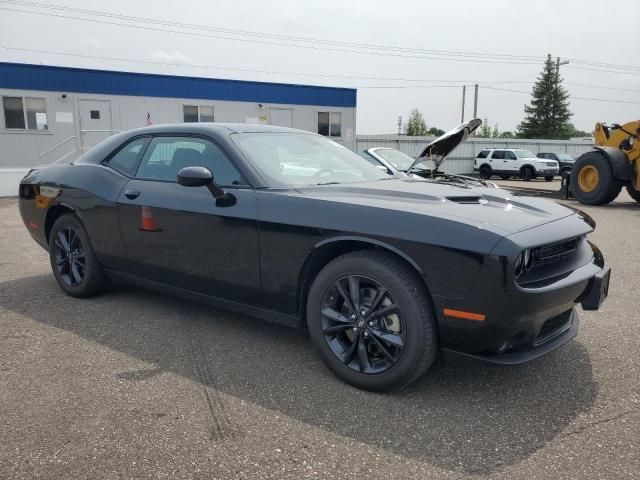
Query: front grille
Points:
[554, 327]
[556, 249]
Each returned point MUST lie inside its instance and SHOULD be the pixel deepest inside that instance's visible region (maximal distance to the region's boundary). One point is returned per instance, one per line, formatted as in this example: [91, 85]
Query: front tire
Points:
[592, 180]
[371, 320]
[73, 260]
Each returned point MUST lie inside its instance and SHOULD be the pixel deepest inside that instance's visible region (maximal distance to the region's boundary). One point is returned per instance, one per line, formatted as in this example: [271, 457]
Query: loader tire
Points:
[592, 180]
[633, 193]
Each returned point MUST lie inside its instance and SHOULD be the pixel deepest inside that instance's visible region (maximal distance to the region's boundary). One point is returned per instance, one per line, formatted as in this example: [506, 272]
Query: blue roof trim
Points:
[79, 80]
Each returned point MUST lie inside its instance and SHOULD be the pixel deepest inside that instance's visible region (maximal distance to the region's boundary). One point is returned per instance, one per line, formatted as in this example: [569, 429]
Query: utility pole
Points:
[399, 125]
[475, 101]
[464, 91]
[558, 63]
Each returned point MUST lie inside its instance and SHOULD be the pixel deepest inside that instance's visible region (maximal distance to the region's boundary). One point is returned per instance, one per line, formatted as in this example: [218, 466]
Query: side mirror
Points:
[200, 177]
[195, 177]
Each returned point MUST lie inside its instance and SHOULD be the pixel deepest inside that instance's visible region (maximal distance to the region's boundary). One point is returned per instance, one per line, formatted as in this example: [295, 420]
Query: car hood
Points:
[499, 211]
[444, 144]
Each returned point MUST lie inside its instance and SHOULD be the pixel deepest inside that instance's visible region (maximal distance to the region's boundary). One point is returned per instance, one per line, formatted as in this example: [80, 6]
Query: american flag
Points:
[149, 122]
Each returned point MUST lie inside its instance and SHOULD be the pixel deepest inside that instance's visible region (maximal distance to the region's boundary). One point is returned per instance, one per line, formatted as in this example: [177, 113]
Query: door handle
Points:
[132, 194]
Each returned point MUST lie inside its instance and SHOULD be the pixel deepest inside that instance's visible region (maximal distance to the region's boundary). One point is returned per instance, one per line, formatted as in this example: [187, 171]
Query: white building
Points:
[52, 114]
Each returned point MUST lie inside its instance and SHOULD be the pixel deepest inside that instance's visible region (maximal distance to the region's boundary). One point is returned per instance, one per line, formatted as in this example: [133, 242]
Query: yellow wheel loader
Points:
[598, 176]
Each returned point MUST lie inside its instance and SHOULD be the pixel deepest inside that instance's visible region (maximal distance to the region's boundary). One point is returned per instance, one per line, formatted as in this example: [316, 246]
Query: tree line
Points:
[546, 116]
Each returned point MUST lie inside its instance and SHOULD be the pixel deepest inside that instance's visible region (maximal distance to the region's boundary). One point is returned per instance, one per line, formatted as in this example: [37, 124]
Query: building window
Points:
[95, 114]
[25, 113]
[197, 113]
[330, 124]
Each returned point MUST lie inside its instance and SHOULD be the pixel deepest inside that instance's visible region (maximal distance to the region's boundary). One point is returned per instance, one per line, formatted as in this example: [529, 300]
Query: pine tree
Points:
[416, 125]
[484, 131]
[548, 114]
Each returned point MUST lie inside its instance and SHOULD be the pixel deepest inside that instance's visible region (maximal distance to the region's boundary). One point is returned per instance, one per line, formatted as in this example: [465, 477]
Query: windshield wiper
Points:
[326, 183]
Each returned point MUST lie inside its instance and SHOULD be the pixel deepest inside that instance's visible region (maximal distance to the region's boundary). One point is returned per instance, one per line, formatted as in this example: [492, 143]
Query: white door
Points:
[95, 122]
[282, 117]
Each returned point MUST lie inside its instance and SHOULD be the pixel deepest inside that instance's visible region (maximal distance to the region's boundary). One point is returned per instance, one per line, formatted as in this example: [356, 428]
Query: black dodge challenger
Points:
[384, 271]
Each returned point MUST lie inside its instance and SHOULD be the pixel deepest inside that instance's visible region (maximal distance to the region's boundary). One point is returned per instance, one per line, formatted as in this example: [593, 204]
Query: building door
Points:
[282, 117]
[95, 122]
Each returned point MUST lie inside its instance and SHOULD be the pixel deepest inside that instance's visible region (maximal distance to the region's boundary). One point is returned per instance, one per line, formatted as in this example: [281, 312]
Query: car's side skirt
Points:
[250, 310]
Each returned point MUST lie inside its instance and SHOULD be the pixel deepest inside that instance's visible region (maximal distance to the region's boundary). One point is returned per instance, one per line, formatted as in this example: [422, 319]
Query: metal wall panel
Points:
[461, 159]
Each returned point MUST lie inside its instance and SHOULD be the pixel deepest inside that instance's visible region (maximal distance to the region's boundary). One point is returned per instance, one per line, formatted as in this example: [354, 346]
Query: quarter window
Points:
[330, 124]
[166, 156]
[483, 154]
[197, 113]
[125, 159]
[25, 113]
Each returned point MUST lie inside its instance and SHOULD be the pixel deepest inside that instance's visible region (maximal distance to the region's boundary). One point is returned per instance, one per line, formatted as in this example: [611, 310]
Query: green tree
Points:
[416, 125]
[548, 114]
[435, 131]
[574, 132]
[495, 133]
[484, 130]
[506, 134]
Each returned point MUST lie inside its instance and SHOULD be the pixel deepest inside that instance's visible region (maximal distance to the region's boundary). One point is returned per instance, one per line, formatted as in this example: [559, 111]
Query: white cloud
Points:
[172, 57]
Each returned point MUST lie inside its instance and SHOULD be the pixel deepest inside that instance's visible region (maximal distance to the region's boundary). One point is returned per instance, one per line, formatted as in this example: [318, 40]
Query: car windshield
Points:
[398, 159]
[297, 159]
[524, 154]
[564, 156]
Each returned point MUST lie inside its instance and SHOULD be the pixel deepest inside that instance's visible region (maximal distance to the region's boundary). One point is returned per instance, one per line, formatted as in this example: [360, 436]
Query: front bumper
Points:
[522, 356]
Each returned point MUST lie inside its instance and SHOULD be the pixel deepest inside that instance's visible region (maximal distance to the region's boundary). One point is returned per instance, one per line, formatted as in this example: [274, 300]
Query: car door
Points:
[510, 161]
[180, 236]
[497, 161]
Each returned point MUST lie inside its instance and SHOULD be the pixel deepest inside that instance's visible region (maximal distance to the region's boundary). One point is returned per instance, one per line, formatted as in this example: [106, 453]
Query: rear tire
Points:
[73, 260]
[485, 172]
[354, 345]
[592, 180]
[527, 174]
[633, 193]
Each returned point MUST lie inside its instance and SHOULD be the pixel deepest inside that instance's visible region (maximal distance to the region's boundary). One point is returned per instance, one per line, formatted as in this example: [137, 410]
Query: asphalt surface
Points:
[135, 384]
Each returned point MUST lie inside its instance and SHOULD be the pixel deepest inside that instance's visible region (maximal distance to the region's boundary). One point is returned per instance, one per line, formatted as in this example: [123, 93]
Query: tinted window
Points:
[126, 158]
[190, 113]
[165, 156]
[483, 154]
[13, 112]
[499, 154]
[510, 155]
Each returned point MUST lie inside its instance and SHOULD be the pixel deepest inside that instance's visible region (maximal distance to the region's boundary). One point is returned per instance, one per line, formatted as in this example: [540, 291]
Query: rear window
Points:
[483, 154]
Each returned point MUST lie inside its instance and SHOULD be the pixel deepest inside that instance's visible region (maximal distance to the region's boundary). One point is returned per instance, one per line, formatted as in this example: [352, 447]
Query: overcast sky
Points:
[582, 30]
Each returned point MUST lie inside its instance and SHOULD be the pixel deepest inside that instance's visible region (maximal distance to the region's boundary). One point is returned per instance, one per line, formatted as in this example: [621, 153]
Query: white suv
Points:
[510, 162]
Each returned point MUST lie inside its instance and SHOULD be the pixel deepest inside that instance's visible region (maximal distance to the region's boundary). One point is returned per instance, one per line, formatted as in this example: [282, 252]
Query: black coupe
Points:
[287, 225]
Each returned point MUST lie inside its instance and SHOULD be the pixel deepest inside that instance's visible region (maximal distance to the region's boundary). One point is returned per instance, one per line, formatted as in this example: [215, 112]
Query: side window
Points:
[166, 156]
[125, 159]
[483, 154]
[510, 155]
[498, 154]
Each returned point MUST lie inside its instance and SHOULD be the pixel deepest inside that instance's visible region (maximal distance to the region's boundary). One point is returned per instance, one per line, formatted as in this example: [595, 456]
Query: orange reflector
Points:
[466, 315]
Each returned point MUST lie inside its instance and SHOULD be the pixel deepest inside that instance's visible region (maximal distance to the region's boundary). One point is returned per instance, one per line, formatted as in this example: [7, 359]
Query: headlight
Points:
[524, 262]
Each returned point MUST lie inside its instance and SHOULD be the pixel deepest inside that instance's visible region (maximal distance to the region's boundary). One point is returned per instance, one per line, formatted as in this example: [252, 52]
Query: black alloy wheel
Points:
[363, 324]
[73, 261]
[69, 255]
[371, 320]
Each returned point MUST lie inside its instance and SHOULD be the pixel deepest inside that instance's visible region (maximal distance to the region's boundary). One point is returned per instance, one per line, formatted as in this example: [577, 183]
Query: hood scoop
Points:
[467, 199]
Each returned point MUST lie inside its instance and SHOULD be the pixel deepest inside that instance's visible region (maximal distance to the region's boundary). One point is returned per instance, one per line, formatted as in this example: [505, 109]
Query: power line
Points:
[446, 55]
[571, 96]
[445, 82]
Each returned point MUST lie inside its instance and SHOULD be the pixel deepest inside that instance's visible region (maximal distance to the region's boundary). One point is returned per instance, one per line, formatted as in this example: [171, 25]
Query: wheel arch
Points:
[329, 249]
[55, 212]
[527, 165]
